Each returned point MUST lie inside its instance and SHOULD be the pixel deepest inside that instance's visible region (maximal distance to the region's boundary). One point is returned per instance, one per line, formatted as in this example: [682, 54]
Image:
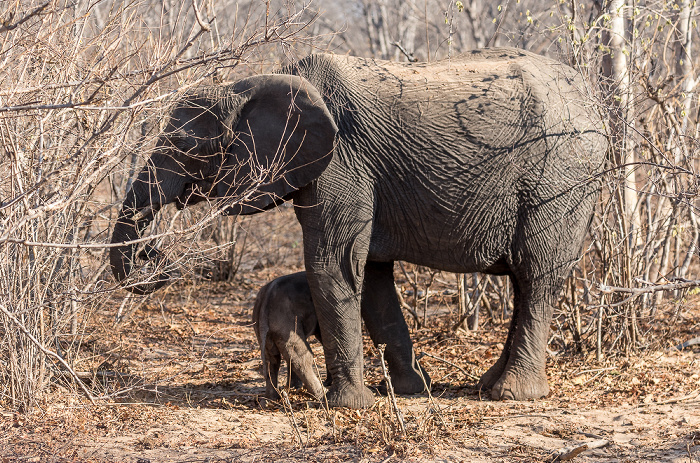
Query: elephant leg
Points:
[301, 362]
[272, 360]
[537, 282]
[329, 378]
[384, 320]
[338, 310]
[524, 375]
[294, 381]
[489, 379]
[544, 259]
[337, 227]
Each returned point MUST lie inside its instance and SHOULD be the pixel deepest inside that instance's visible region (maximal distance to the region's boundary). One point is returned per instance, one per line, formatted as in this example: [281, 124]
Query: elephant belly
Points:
[468, 242]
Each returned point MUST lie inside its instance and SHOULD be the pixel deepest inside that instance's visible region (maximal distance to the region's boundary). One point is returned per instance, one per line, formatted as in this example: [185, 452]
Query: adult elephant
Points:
[486, 162]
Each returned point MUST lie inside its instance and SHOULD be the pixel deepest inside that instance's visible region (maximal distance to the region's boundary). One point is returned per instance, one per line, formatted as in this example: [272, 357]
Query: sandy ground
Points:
[505, 432]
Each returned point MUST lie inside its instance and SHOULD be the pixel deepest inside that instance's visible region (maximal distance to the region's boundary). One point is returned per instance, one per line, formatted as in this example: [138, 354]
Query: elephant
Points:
[284, 318]
[488, 162]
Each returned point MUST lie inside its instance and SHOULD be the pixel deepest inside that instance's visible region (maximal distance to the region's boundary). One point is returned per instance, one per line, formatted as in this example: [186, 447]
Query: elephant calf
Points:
[284, 317]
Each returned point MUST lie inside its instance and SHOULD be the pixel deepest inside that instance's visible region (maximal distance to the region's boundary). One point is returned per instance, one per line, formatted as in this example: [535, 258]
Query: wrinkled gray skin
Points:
[487, 163]
[284, 318]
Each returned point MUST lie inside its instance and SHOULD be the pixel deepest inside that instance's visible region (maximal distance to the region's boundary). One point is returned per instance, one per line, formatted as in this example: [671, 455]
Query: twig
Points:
[468, 375]
[693, 395]
[414, 284]
[324, 402]
[569, 453]
[48, 352]
[502, 417]
[649, 289]
[434, 404]
[131, 404]
[290, 415]
[409, 56]
[86, 105]
[198, 15]
[480, 287]
[390, 389]
[594, 370]
[407, 308]
[636, 292]
[495, 32]
[35, 12]
[40, 211]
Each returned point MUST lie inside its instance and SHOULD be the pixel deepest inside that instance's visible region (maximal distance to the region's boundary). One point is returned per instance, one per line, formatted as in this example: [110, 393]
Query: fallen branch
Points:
[569, 453]
[693, 395]
[503, 417]
[409, 56]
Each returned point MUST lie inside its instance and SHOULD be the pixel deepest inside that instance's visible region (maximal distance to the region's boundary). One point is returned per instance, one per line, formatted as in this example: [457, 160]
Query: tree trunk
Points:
[622, 122]
[621, 128]
[684, 67]
[468, 313]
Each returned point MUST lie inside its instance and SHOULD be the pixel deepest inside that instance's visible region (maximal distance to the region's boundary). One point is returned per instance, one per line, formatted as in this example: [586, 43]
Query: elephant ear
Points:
[283, 139]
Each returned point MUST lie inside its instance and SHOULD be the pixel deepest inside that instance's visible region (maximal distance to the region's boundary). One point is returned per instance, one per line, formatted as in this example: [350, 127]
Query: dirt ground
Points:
[179, 375]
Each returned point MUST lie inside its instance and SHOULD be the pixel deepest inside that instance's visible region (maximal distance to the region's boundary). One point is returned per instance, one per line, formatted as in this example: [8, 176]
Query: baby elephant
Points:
[284, 317]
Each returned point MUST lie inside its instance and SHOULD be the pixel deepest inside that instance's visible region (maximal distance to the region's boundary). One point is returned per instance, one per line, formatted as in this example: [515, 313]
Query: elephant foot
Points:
[490, 378]
[519, 386]
[350, 396]
[410, 382]
[328, 381]
[268, 401]
[271, 394]
[317, 392]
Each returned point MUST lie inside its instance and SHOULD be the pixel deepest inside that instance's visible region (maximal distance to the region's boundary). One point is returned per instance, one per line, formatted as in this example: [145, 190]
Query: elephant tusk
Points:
[142, 213]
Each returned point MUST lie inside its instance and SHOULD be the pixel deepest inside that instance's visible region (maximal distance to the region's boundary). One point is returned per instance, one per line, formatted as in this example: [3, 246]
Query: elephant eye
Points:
[182, 143]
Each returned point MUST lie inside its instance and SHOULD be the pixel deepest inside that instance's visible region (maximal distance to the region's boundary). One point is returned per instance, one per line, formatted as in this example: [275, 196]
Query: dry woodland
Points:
[90, 372]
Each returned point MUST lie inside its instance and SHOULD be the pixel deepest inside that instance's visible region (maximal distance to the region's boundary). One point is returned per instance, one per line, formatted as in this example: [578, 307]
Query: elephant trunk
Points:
[141, 204]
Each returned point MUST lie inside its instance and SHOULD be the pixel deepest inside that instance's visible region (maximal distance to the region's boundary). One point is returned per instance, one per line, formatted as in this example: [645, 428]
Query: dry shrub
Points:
[85, 88]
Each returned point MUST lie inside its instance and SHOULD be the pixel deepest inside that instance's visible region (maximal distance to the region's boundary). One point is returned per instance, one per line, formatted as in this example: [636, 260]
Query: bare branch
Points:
[37, 11]
[650, 289]
[47, 352]
[197, 14]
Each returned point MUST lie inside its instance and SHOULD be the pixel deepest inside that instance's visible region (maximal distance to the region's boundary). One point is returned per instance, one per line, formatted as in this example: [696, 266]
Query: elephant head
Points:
[249, 145]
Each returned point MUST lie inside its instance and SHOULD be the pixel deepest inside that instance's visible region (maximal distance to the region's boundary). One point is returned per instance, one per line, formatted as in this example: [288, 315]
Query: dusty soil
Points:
[179, 375]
